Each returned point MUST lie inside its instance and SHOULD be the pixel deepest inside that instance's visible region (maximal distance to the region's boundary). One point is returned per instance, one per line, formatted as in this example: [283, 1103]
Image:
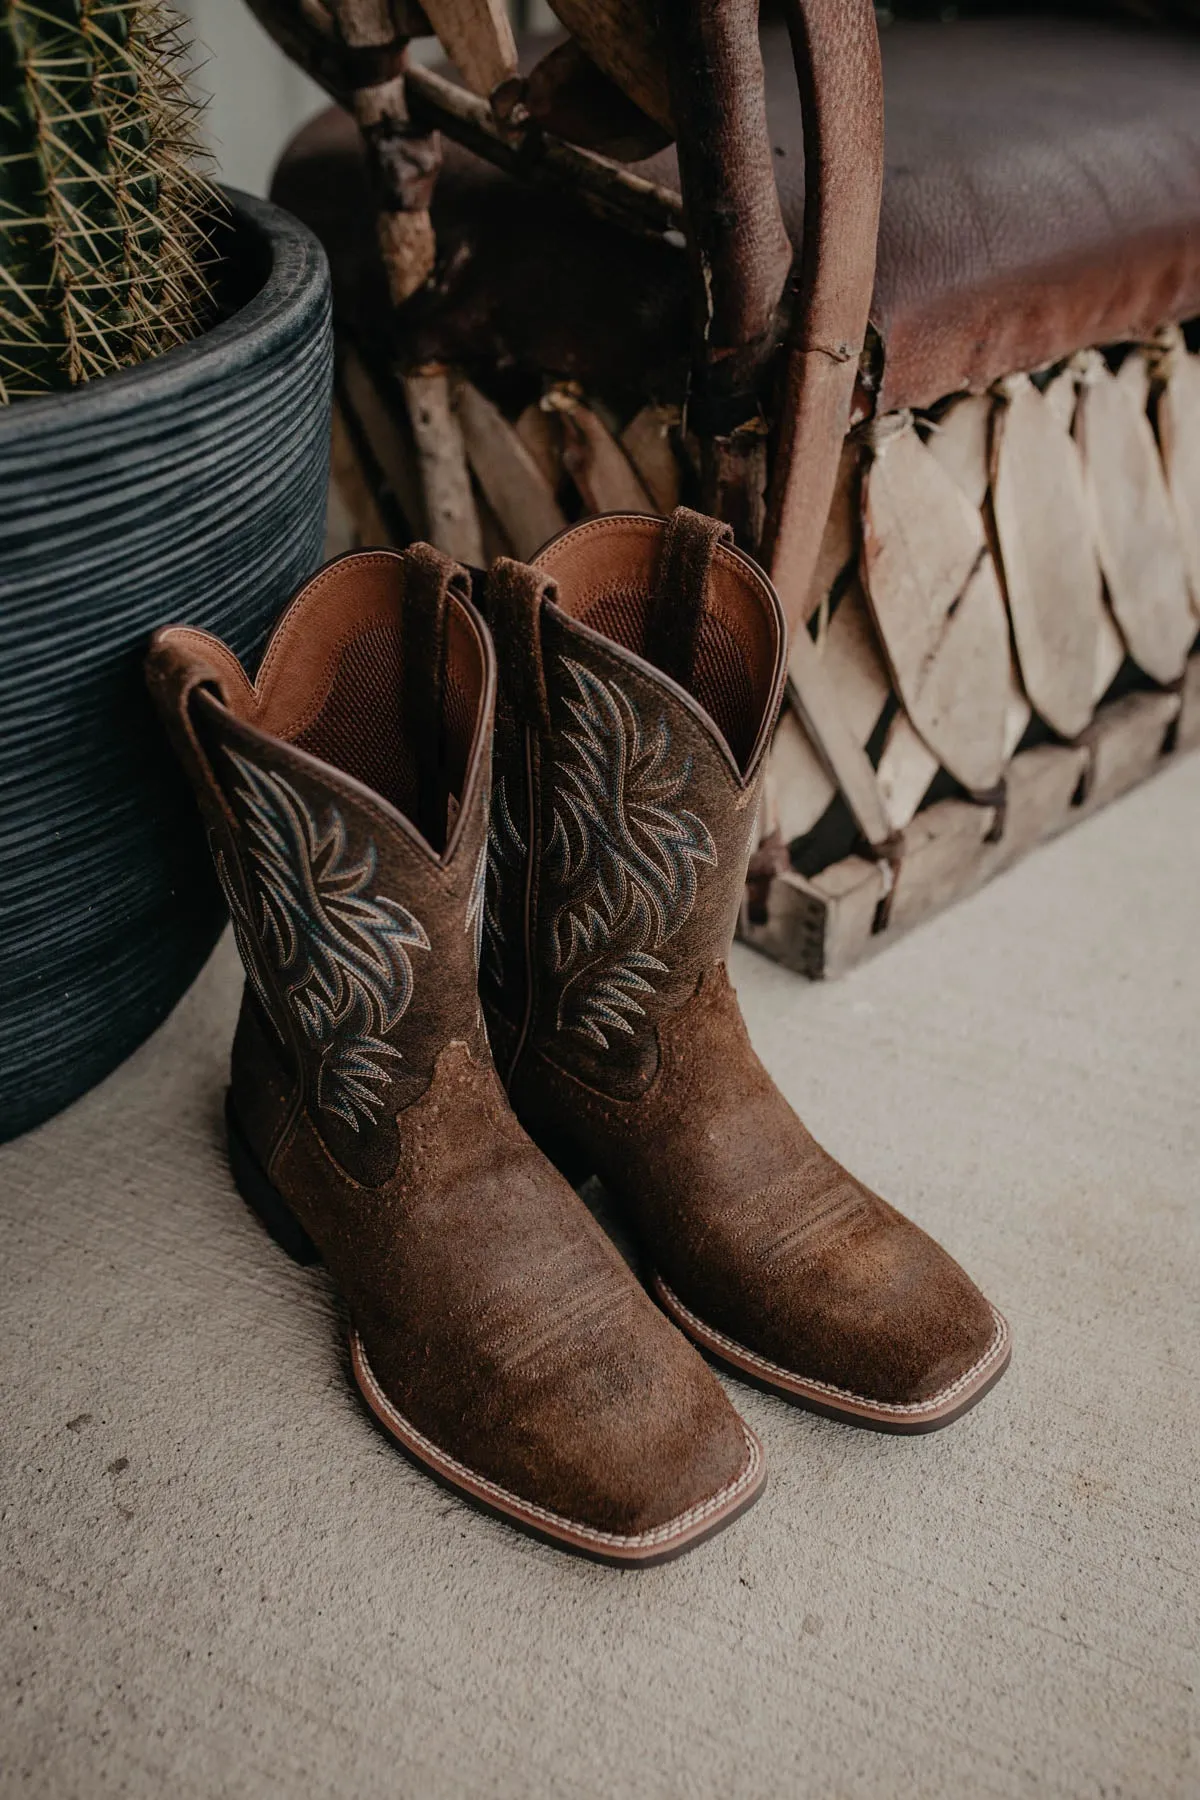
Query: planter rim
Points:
[273, 312]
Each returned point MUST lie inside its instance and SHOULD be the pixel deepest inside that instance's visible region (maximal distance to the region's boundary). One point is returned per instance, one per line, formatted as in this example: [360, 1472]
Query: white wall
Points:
[256, 97]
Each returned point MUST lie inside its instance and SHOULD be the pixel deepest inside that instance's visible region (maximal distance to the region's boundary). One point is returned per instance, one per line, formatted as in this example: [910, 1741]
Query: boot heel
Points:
[272, 1212]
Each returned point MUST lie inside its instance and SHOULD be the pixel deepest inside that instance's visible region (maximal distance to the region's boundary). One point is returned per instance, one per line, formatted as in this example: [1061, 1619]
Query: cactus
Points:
[103, 214]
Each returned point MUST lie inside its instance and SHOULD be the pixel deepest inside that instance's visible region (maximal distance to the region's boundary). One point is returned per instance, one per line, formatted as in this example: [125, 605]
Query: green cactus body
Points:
[102, 215]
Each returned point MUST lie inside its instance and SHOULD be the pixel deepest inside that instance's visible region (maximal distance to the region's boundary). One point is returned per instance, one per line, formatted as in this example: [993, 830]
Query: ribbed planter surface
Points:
[191, 491]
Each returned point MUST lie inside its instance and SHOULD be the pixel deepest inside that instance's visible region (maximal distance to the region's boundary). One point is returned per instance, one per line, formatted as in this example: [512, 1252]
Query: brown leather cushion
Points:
[1042, 193]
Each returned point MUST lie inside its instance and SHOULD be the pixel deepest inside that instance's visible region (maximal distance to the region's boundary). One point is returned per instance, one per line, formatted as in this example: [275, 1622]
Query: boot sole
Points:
[909, 1419]
[637, 1550]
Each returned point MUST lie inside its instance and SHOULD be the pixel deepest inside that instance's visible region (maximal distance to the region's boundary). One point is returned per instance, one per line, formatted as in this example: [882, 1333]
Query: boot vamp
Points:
[503, 1325]
[762, 1234]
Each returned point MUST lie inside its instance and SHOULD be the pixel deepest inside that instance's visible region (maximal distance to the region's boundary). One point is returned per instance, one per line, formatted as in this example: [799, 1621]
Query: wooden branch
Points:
[402, 161]
[541, 433]
[348, 480]
[1178, 376]
[513, 484]
[387, 438]
[620, 38]
[1133, 519]
[1052, 581]
[451, 520]
[606, 479]
[604, 186]
[649, 442]
[937, 603]
[477, 37]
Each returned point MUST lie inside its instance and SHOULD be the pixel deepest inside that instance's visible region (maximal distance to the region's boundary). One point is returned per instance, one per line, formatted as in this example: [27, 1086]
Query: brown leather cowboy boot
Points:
[496, 1333]
[641, 666]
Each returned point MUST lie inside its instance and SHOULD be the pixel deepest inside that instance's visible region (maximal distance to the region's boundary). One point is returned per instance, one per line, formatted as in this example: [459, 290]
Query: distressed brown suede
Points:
[620, 838]
[489, 1310]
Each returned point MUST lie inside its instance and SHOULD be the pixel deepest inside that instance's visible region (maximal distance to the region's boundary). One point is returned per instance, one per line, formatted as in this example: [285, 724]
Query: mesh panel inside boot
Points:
[721, 680]
[359, 729]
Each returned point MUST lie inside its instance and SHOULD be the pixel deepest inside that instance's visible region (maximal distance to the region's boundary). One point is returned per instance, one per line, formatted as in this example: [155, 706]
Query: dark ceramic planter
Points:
[190, 490]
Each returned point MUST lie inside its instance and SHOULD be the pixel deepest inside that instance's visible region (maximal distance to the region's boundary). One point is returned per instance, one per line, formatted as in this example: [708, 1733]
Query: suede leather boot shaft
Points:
[642, 665]
[495, 1331]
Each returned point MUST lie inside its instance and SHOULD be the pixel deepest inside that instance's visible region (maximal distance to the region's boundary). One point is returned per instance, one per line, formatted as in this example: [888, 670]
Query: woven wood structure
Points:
[976, 485]
[1003, 612]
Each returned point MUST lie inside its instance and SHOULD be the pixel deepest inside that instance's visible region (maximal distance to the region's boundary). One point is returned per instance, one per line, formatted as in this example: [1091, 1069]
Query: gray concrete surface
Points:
[217, 1580]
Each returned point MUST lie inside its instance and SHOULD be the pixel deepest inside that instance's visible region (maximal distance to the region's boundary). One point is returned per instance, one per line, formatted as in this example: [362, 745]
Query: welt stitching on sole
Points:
[910, 1409]
[661, 1534]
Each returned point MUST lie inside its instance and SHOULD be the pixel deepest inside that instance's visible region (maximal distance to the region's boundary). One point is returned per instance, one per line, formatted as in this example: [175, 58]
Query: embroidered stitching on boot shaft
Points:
[623, 852]
[338, 952]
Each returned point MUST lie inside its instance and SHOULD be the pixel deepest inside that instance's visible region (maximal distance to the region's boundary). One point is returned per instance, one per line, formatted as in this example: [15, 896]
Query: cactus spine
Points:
[102, 214]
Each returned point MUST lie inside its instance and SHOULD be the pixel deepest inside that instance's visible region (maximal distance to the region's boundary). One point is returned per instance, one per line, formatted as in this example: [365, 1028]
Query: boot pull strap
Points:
[515, 593]
[181, 667]
[680, 587]
[430, 578]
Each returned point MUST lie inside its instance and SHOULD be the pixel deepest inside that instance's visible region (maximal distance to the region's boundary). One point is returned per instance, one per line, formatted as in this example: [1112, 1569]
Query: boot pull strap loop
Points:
[430, 578]
[515, 593]
[681, 583]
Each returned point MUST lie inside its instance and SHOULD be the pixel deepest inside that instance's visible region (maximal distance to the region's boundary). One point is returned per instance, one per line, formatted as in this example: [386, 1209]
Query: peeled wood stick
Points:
[817, 709]
[604, 186]
[1048, 560]
[450, 516]
[403, 160]
[1134, 523]
[606, 479]
[386, 439]
[478, 38]
[541, 433]
[1179, 440]
[960, 442]
[738, 248]
[649, 442]
[906, 770]
[350, 479]
[513, 484]
[840, 539]
[937, 604]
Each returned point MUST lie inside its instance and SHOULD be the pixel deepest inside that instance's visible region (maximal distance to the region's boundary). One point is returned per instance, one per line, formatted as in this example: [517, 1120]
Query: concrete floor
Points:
[218, 1580]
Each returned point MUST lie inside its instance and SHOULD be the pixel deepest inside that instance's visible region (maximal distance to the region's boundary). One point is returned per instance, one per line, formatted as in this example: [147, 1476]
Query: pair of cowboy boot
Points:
[496, 1333]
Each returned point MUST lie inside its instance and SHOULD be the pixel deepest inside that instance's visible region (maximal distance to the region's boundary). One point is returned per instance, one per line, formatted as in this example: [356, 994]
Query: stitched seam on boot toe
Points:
[661, 1534]
[911, 1408]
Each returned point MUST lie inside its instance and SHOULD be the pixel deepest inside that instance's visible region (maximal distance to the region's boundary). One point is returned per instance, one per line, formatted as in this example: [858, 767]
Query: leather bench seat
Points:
[1041, 194]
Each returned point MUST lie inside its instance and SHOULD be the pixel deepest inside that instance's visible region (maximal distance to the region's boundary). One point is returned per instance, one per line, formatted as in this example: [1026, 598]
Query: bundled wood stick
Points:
[1068, 648]
[606, 479]
[403, 159]
[513, 484]
[937, 603]
[478, 38]
[451, 519]
[1134, 524]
